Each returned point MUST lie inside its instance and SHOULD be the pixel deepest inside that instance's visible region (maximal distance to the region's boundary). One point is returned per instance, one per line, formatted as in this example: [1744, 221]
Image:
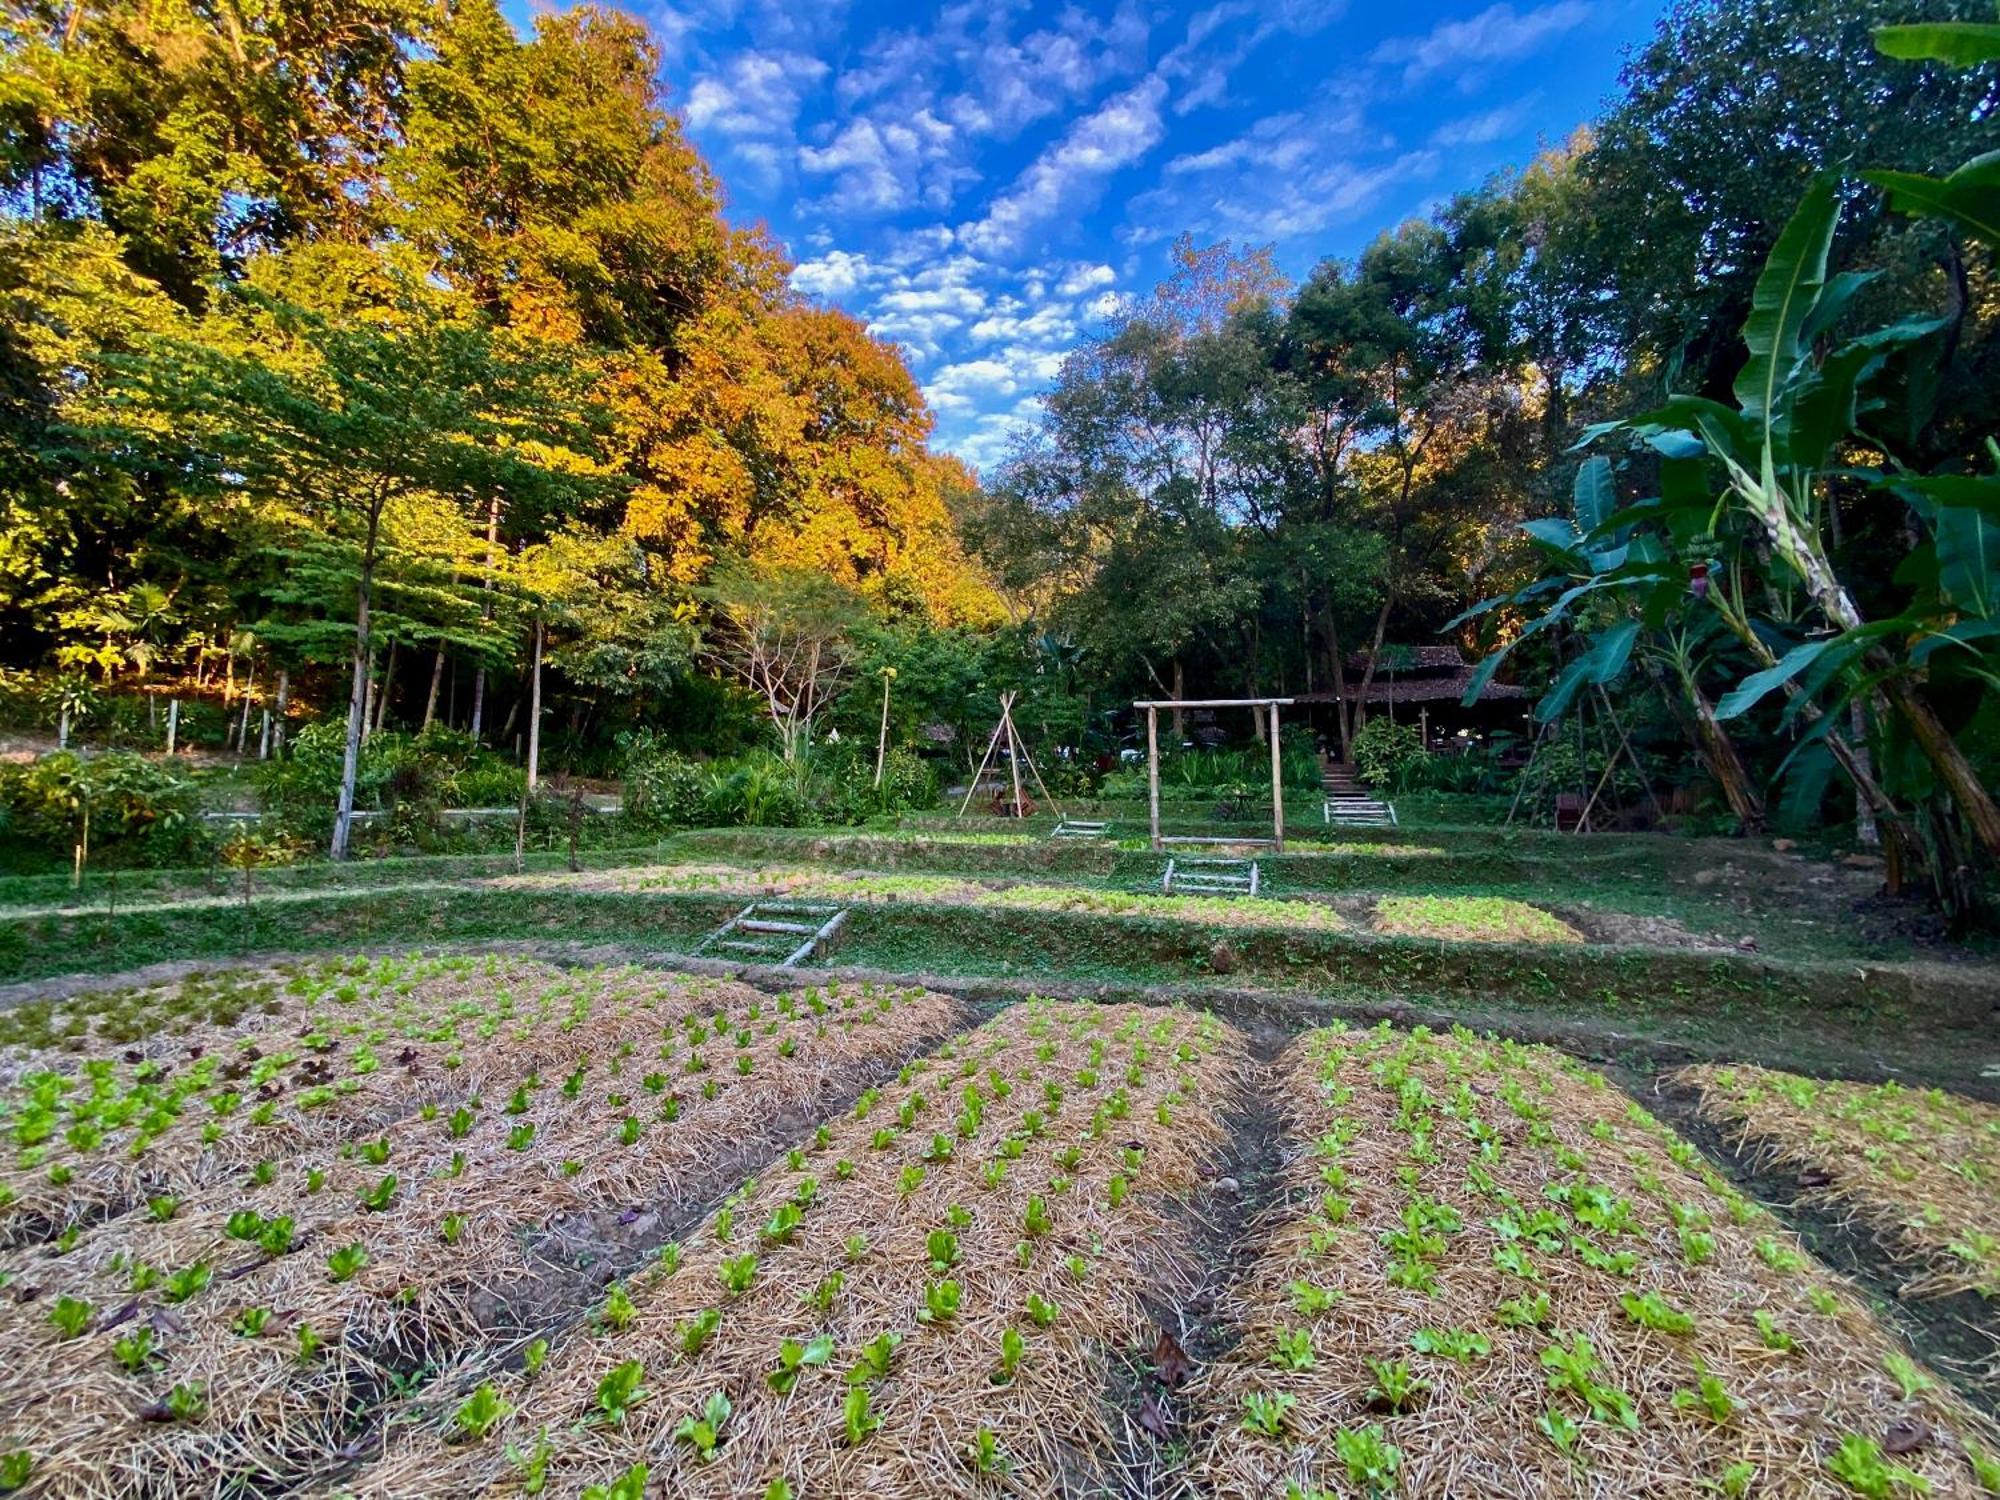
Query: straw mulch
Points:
[1480, 1176]
[1471, 919]
[341, 1051]
[1138, 1096]
[491, 1235]
[1920, 1166]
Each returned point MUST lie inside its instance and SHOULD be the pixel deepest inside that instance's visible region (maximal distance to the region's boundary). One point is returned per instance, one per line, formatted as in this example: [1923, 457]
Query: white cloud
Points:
[1497, 34]
[1067, 176]
[887, 165]
[1085, 278]
[1483, 129]
[755, 95]
[833, 275]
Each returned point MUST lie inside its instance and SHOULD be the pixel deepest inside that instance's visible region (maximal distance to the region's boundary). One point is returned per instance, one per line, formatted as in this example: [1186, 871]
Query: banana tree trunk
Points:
[1801, 548]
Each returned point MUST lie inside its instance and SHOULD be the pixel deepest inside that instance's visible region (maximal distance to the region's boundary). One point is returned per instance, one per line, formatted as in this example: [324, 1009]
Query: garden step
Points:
[1070, 828]
[759, 917]
[1211, 877]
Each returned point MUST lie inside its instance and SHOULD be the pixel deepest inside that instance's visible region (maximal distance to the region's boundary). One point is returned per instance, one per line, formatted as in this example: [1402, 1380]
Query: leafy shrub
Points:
[759, 791]
[663, 788]
[412, 777]
[141, 812]
[1385, 751]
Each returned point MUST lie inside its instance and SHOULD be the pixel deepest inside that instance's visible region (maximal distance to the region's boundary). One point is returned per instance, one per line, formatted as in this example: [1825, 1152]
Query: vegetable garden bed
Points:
[1477, 919]
[1499, 1277]
[919, 1303]
[234, 1247]
[1920, 1167]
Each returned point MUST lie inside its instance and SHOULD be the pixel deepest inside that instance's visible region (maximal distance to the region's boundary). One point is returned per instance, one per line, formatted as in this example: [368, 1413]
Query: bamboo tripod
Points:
[1016, 753]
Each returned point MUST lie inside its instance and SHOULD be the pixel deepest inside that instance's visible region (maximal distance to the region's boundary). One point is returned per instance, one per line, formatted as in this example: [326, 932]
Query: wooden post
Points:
[1013, 748]
[535, 713]
[882, 738]
[1277, 784]
[1153, 769]
[173, 723]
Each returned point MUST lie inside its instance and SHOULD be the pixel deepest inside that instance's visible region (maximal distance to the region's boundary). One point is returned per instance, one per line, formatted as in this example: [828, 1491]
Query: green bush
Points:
[1385, 752]
[758, 791]
[139, 811]
[414, 778]
[663, 788]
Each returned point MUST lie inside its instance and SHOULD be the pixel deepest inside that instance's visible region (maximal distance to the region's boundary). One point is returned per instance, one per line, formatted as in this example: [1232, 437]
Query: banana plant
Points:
[1798, 408]
[1626, 592]
[1970, 196]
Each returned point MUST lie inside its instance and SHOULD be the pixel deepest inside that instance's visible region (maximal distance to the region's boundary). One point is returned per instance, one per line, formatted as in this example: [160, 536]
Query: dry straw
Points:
[1920, 1166]
[1009, 1142]
[1480, 1176]
[516, 1191]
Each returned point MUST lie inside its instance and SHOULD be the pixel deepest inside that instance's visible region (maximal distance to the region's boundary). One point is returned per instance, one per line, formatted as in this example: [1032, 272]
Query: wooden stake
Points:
[1153, 770]
[1277, 784]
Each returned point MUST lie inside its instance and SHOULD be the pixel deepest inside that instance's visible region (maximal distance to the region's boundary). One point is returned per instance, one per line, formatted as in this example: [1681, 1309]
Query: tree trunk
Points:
[1179, 693]
[388, 688]
[437, 681]
[278, 713]
[1719, 750]
[368, 692]
[478, 699]
[1866, 829]
[535, 708]
[243, 724]
[173, 724]
[1802, 550]
[357, 695]
[1341, 724]
[1374, 655]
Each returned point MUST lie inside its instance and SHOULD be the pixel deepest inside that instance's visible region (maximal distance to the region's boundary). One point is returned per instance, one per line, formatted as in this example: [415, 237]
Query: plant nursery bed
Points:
[1495, 1275]
[1919, 1167]
[922, 1300]
[236, 1240]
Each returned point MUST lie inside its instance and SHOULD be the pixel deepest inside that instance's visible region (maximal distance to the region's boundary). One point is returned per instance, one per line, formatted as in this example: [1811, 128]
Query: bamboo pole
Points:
[1153, 770]
[1013, 749]
[973, 790]
[1277, 784]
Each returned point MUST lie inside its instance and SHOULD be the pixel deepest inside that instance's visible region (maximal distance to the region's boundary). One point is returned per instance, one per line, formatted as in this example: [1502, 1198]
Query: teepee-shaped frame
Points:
[1016, 753]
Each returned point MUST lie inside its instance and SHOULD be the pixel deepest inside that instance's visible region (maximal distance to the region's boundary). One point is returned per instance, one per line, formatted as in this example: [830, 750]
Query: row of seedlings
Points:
[921, 1301]
[317, 1056]
[1497, 1276]
[1921, 1167]
[257, 1325]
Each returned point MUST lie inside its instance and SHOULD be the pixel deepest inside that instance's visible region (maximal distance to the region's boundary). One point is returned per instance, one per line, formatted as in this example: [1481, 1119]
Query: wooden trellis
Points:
[1016, 754]
[1259, 706]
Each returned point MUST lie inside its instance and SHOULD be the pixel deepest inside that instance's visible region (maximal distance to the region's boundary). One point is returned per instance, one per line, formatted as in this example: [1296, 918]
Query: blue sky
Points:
[981, 181]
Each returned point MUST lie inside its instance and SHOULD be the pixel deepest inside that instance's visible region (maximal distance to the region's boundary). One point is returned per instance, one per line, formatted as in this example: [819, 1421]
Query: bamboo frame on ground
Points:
[1258, 706]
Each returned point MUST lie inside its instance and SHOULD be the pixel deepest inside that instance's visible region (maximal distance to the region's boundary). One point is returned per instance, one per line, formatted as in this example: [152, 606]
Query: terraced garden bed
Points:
[1476, 919]
[1497, 1276]
[918, 1302]
[426, 1225]
[235, 1240]
[1919, 1167]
